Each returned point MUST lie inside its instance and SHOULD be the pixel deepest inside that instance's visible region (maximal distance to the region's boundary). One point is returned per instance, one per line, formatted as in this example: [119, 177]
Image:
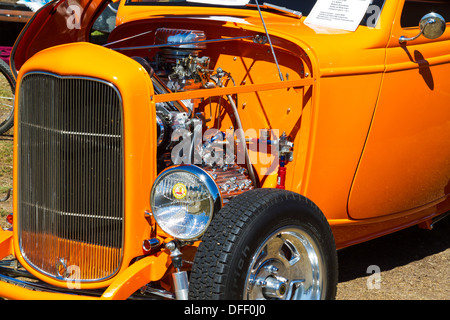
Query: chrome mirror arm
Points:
[404, 39]
[422, 27]
[432, 26]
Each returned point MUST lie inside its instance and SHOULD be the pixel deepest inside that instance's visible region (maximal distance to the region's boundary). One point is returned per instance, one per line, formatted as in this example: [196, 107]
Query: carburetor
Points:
[179, 64]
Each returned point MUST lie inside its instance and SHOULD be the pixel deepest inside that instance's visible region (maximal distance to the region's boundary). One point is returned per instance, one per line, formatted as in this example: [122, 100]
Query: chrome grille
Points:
[70, 176]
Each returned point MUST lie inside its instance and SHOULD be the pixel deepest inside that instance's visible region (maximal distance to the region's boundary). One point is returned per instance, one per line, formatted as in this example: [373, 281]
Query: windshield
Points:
[304, 6]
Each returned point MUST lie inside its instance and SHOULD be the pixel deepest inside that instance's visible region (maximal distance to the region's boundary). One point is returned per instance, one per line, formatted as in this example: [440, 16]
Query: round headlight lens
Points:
[183, 201]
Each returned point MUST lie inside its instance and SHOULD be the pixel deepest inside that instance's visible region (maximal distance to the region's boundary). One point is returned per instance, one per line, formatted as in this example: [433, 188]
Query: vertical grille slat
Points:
[70, 175]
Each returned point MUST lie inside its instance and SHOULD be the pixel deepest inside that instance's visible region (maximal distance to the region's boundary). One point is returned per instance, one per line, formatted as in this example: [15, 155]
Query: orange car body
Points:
[368, 117]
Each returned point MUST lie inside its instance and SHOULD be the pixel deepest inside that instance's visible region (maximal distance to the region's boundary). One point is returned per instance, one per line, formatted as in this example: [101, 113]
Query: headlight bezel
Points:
[215, 197]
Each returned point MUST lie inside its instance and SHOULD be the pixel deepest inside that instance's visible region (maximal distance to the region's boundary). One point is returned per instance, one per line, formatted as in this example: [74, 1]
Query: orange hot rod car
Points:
[210, 149]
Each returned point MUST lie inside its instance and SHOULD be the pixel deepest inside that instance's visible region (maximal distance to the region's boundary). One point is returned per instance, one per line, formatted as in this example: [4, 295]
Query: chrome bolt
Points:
[272, 269]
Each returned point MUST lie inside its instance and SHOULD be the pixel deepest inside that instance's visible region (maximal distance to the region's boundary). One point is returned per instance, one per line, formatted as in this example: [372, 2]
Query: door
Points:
[406, 161]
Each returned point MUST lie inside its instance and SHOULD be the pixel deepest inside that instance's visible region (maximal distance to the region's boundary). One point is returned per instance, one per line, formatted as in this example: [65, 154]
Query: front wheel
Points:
[266, 244]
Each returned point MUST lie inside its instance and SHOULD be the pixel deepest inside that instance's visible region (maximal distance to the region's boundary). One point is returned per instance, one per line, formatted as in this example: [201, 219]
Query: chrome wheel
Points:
[288, 266]
[266, 244]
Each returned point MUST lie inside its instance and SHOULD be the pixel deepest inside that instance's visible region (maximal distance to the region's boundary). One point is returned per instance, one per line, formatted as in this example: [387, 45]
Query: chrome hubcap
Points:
[288, 266]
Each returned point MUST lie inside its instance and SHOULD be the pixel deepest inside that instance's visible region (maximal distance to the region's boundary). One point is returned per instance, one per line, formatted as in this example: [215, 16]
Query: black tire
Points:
[233, 243]
[7, 98]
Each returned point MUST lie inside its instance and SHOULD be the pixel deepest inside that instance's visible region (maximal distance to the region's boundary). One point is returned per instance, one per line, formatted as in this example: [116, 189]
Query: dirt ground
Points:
[413, 264]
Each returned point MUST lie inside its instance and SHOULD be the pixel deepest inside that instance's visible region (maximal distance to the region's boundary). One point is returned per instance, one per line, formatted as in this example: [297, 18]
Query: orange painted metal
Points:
[406, 160]
[134, 88]
[206, 93]
[364, 142]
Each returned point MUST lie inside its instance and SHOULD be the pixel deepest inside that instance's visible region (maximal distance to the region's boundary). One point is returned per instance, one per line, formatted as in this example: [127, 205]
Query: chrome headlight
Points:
[183, 200]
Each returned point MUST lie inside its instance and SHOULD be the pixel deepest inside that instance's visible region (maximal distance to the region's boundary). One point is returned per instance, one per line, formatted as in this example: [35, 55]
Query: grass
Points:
[5, 89]
[6, 164]
[3, 213]
[6, 172]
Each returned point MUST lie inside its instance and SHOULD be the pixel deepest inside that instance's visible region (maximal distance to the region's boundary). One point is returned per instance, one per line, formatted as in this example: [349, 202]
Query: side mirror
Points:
[432, 26]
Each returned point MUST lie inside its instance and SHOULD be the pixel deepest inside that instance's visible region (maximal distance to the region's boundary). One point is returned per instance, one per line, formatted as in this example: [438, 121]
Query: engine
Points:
[180, 65]
[182, 136]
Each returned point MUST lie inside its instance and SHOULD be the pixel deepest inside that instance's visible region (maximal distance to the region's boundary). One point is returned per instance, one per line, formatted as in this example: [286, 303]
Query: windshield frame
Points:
[252, 5]
[181, 3]
[306, 8]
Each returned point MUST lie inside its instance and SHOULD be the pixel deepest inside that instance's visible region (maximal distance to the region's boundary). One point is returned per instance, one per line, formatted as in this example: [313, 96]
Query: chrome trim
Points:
[73, 133]
[181, 284]
[160, 293]
[287, 265]
[437, 23]
[204, 176]
[54, 213]
[161, 129]
[150, 244]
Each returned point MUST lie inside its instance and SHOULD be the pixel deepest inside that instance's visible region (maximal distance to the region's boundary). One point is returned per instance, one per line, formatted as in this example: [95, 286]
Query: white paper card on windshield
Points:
[338, 14]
